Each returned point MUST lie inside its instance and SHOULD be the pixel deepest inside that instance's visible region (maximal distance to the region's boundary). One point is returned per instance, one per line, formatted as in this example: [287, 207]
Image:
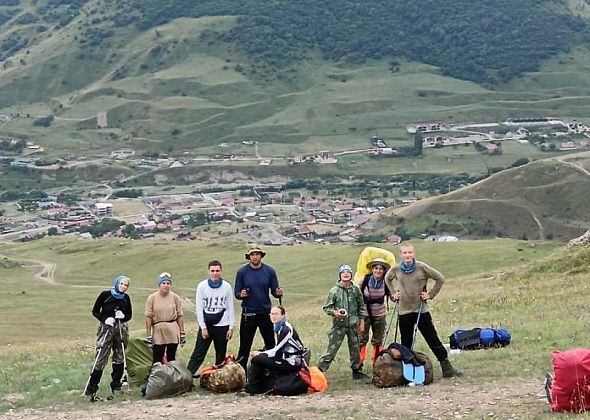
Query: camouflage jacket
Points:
[349, 299]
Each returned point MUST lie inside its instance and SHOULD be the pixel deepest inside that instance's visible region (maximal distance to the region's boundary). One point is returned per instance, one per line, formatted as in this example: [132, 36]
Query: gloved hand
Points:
[119, 315]
[110, 321]
[182, 339]
[149, 339]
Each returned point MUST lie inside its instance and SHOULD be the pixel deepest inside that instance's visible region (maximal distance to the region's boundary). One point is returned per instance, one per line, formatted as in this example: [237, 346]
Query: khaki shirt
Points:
[410, 285]
[164, 310]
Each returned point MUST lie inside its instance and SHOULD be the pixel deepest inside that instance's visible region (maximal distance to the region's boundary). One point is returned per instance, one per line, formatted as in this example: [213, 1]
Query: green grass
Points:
[48, 330]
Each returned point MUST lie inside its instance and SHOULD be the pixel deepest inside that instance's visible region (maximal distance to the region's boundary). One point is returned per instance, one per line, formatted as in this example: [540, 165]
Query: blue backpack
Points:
[477, 338]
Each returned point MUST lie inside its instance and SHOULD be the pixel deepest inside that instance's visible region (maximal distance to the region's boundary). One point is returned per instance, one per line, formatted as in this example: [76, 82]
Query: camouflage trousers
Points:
[335, 337]
[376, 324]
[107, 339]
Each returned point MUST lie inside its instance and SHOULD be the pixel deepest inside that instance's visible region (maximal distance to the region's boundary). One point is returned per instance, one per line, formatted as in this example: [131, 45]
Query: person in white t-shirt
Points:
[215, 316]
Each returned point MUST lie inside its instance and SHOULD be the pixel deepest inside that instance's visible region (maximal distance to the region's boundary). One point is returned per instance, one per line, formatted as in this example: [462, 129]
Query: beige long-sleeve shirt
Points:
[164, 311]
[411, 284]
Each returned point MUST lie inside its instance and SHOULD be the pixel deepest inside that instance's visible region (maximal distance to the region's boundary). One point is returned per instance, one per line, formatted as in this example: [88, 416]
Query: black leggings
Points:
[159, 350]
[426, 327]
[263, 370]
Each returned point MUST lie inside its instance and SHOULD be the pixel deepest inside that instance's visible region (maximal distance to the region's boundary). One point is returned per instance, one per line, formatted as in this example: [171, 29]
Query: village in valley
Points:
[279, 213]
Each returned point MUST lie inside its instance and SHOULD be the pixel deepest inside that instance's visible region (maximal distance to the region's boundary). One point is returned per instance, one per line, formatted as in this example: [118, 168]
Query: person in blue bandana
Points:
[112, 309]
[215, 316]
[411, 277]
[284, 358]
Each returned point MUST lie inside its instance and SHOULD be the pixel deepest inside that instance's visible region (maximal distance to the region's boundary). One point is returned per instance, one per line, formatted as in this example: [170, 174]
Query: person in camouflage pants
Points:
[346, 306]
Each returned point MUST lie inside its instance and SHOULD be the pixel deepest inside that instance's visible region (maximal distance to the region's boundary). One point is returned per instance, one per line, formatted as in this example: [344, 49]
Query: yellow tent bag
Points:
[367, 255]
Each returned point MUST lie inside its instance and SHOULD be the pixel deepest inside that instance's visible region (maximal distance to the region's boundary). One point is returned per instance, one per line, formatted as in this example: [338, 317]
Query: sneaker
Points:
[358, 375]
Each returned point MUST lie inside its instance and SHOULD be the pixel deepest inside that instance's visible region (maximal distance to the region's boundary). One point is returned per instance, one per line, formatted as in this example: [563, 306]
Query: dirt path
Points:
[444, 399]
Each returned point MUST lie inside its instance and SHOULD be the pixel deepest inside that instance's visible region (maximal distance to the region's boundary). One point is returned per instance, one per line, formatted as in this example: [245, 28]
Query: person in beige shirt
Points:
[164, 322]
[411, 278]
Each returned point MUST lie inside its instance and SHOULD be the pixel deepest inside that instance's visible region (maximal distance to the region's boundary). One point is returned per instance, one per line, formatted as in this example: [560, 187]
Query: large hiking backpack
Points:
[315, 378]
[289, 385]
[388, 368]
[478, 338]
[570, 387]
[367, 255]
[168, 380]
[226, 377]
[139, 357]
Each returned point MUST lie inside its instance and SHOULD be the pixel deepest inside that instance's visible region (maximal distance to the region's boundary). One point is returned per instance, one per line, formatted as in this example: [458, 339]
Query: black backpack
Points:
[290, 384]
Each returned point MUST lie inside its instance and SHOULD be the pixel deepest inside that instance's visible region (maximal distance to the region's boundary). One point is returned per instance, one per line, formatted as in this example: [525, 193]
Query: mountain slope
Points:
[547, 199]
[172, 77]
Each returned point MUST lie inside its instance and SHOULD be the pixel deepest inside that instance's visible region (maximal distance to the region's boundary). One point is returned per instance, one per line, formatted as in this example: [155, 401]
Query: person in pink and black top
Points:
[374, 291]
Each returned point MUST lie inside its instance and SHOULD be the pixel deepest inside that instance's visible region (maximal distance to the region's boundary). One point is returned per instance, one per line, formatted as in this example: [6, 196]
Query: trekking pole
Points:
[390, 322]
[417, 322]
[99, 347]
[124, 383]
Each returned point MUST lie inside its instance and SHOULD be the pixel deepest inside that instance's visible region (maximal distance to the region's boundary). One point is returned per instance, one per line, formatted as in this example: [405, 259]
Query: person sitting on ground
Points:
[412, 277]
[374, 292]
[346, 306]
[164, 323]
[112, 308]
[215, 317]
[286, 357]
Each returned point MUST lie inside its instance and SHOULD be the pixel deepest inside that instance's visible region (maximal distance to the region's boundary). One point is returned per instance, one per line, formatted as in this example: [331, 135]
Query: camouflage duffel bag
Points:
[387, 371]
[428, 370]
[227, 377]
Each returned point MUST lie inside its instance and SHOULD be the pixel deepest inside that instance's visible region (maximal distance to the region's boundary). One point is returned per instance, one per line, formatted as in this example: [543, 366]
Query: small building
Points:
[102, 209]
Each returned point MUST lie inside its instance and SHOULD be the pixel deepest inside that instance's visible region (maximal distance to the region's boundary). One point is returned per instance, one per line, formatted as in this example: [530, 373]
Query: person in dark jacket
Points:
[254, 281]
[284, 358]
[112, 309]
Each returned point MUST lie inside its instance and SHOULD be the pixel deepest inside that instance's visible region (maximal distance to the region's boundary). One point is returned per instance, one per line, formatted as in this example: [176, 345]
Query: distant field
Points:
[127, 208]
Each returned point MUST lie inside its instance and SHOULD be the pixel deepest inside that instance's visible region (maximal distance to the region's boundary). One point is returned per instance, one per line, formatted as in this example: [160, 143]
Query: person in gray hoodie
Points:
[346, 307]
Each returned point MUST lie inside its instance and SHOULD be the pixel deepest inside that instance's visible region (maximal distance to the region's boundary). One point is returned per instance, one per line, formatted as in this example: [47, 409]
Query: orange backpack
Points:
[315, 378]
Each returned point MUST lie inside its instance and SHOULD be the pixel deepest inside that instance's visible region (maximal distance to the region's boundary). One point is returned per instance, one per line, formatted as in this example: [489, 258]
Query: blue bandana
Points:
[407, 269]
[115, 289]
[375, 284]
[279, 325]
[214, 284]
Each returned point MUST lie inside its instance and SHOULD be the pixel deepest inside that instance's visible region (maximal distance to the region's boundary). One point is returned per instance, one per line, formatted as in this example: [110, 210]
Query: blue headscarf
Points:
[407, 268]
[115, 292]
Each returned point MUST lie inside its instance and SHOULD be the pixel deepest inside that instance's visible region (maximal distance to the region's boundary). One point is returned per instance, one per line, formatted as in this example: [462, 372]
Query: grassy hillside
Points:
[167, 89]
[48, 330]
[544, 199]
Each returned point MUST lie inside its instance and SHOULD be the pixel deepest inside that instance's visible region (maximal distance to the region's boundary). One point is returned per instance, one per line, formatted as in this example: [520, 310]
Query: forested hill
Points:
[483, 41]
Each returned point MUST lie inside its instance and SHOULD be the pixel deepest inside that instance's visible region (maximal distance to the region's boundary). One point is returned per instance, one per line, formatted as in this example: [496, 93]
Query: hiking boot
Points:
[448, 370]
[92, 387]
[358, 375]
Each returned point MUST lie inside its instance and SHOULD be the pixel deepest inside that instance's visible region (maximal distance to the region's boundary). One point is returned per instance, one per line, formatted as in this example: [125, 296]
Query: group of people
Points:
[355, 310]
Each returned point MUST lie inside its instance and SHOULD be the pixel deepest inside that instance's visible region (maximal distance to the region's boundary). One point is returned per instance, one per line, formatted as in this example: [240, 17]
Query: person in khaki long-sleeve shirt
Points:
[164, 321]
[411, 281]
